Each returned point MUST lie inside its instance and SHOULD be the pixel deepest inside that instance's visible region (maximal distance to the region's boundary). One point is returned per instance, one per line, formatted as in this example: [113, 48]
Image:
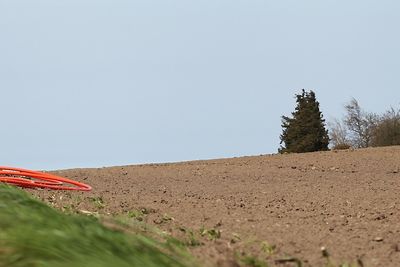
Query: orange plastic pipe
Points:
[31, 179]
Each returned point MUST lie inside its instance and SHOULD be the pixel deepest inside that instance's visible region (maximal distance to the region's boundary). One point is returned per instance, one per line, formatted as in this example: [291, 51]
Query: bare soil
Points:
[269, 207]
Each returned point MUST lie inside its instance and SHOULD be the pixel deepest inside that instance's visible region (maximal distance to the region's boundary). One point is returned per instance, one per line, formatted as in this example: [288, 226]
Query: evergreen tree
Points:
[305, 131]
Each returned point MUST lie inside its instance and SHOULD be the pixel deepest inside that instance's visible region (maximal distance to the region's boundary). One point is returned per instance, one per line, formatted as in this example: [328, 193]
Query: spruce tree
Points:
[305, 131]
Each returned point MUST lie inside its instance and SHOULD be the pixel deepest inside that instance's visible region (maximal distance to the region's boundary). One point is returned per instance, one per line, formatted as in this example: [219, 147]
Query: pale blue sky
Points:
[100, 83]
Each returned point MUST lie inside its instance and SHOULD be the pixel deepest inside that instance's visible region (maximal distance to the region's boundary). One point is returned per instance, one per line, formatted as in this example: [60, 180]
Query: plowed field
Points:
[267, 207]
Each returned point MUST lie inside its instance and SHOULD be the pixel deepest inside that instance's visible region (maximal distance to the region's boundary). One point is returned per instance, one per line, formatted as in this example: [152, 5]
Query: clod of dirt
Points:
[396, 247]
[380, 217]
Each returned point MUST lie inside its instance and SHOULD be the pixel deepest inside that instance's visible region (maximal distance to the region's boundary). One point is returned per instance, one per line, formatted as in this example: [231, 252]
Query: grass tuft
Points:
[33, 234]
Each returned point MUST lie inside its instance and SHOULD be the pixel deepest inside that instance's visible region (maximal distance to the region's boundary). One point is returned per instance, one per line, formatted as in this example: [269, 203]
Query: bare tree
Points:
[387, 131]
[360, 124]
[338, 135]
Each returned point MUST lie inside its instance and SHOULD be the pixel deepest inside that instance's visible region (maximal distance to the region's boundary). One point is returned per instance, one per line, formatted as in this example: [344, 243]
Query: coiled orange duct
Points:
[32, 179]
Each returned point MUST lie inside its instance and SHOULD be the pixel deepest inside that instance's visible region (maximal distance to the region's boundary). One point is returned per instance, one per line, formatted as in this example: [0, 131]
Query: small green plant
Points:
[69, 208]
[268, 249]
[98, 202]
[235, 238]
[136, 214]
[167, 218]
[251, 261]
[192, 239]
[212, 234]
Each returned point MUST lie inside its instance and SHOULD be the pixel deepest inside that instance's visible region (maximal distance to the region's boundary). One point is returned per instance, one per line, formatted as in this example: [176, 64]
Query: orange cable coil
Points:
[32, 179]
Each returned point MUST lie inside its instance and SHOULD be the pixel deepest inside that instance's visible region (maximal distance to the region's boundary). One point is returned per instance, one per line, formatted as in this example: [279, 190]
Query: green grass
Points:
[33, 234]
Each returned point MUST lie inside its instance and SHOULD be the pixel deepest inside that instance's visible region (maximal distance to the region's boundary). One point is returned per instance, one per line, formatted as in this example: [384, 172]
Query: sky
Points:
[93, 83]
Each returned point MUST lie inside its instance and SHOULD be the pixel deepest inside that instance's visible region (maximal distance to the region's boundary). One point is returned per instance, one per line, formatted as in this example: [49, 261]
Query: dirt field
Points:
[269, 206]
